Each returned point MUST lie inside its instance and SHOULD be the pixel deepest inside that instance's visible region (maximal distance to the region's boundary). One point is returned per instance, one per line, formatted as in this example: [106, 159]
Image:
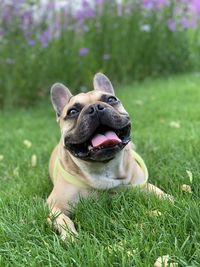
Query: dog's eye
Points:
[112, 99]
[72, 111]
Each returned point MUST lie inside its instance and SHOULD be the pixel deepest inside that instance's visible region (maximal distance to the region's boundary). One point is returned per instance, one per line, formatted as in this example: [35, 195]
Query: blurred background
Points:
[43, 41]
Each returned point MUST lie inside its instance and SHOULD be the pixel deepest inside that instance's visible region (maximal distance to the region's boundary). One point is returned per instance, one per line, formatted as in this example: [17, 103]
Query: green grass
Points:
[113, 231]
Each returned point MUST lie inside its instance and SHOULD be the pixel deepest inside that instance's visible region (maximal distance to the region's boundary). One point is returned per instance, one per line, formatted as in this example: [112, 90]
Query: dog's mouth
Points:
[104, 139]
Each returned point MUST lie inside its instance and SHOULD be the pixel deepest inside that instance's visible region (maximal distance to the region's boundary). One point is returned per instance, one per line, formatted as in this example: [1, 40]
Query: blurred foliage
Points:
[127, 42]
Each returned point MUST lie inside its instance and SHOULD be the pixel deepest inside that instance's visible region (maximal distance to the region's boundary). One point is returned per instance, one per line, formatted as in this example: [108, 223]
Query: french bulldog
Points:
[94, 151]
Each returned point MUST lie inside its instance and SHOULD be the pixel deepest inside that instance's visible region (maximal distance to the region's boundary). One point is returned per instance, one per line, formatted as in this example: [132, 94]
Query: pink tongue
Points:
[108, 138]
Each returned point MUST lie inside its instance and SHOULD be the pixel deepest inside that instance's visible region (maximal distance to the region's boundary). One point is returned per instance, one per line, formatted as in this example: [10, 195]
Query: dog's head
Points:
[94, 125]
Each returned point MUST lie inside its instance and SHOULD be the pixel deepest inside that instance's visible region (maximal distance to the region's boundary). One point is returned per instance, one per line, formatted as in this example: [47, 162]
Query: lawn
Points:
[118, 231]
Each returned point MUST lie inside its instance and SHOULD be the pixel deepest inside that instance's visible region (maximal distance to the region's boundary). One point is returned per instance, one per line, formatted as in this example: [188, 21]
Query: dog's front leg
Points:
[58, 217]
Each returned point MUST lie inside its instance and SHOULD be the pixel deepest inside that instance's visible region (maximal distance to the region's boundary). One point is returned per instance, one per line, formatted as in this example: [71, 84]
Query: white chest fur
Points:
[104, 175]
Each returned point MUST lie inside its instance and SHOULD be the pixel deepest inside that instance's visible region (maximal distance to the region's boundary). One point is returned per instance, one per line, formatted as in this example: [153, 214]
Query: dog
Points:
[95, 150]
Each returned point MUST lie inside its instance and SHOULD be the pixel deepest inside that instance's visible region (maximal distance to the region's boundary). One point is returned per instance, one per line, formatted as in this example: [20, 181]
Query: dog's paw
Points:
[64, 226]
[67, 234]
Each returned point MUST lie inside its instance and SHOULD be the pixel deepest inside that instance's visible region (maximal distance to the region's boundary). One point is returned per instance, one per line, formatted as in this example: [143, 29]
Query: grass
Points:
[115, 231]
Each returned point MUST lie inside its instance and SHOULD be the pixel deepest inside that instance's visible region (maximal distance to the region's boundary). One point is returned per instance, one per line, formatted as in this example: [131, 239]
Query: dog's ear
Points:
[102, 83]
[60, 96]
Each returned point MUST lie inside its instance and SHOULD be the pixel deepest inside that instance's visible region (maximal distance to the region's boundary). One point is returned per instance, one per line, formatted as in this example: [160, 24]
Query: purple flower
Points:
[161, 3]
[148, 4]
[18, 2]
[85, 12]
[89, 13]
[98, 2]
[171, 24]
[196, 6]
[80, 16]
[83, 51]
[51, 5]
[31, 42]
[26, 20]
[106, 56]
[7, 14]
[185, 23]
[44, 38]
[85, 4]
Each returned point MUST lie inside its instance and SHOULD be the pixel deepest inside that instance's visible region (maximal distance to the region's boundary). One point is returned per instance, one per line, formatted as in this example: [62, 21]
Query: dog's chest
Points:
[106, 175]
[107, 178]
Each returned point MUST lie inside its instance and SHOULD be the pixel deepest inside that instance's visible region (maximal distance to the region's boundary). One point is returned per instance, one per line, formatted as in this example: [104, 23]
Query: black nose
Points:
[93, 108]
[100, 107]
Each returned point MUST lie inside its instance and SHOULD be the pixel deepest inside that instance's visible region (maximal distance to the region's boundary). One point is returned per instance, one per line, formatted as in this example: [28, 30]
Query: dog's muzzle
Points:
[101, 132]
